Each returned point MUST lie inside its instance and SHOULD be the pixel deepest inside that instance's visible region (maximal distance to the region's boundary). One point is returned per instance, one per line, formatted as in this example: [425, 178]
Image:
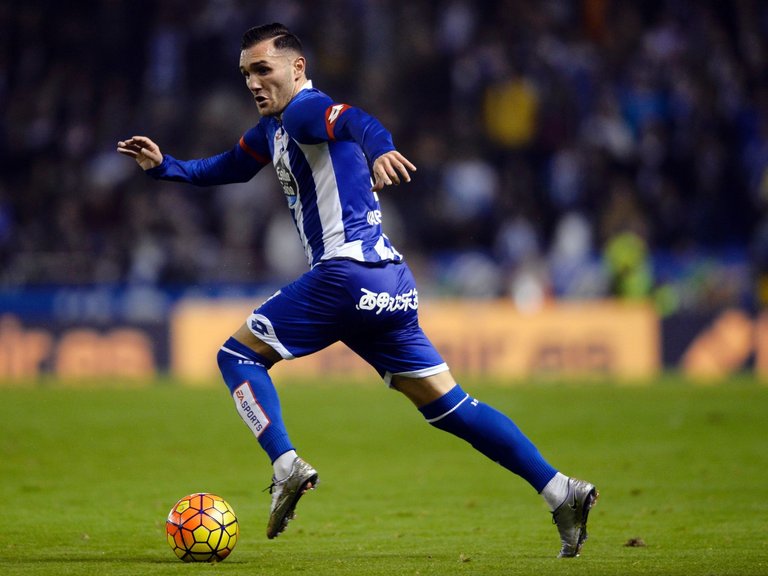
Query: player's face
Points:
[273, 76]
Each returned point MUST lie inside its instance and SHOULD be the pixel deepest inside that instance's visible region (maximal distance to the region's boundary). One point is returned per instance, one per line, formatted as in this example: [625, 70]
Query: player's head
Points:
[284, 39]
[273, 64]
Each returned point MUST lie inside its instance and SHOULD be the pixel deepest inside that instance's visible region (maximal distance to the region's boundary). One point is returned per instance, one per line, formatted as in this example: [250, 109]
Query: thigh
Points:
[405, 353]
[387, 334]
[306, 315]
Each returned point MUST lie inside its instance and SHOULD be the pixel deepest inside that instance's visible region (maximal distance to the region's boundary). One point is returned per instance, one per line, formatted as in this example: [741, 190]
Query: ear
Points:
[299, 67]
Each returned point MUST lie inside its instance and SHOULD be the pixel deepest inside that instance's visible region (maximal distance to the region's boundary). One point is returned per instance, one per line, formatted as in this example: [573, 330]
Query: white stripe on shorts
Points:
[423, 373]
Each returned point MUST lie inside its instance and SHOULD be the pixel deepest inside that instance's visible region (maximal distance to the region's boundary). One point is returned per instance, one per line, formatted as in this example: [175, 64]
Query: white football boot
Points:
[286, 494]
[571, 516]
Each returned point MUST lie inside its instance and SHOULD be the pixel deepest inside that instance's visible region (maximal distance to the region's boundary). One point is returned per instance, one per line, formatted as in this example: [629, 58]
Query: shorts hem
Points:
[422, 373]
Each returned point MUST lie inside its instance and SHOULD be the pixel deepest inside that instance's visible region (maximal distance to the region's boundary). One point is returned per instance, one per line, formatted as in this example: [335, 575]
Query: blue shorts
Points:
[372, 308]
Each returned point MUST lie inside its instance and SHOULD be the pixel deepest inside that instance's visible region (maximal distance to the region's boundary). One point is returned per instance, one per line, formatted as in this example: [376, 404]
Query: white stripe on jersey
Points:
[353, 250]
[298, 213]
[385, 252]
[340, 221]
[328, 200]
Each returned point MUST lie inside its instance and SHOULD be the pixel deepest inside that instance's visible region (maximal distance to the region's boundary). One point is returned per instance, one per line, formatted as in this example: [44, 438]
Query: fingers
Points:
[128, 147]
[391, 168]
[397, 165]
[136, 144]
[378, 184]
[146, 153]
[404, 162]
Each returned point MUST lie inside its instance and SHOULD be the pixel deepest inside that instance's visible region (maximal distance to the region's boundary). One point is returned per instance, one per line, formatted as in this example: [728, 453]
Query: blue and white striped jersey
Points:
[321, 152]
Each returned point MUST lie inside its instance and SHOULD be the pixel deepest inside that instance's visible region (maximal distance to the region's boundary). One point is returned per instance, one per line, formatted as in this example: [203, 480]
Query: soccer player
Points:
[332, 159]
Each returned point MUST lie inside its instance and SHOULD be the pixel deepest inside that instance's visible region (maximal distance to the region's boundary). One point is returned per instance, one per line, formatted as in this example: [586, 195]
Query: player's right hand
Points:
[146, 153]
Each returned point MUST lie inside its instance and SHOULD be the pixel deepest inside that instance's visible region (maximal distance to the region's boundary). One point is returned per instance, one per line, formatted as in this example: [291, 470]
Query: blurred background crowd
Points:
[565, 148]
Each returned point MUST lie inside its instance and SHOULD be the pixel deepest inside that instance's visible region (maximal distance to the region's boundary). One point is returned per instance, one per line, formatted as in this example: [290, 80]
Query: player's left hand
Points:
[391, 168]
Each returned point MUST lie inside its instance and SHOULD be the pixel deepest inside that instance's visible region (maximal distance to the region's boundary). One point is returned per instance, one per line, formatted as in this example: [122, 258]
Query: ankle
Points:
[283, 465]
[556, 491]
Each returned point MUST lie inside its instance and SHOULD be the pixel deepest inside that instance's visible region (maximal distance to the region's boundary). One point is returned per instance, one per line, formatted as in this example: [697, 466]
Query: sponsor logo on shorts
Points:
[386, 302]
[249, 409]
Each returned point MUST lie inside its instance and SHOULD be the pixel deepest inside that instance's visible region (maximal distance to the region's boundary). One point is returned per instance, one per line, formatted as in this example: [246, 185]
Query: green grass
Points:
[87, 477]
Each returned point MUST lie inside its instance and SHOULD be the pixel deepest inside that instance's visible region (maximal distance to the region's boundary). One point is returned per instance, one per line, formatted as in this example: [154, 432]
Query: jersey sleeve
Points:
[343, 122]
[239, 164]
[316, 120]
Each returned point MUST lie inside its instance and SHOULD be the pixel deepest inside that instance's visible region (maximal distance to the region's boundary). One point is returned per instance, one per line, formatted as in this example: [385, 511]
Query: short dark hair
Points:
[284, 39]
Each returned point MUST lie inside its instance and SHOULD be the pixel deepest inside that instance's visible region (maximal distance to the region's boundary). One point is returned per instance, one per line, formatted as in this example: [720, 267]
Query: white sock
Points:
[556, 491]
[284, 464]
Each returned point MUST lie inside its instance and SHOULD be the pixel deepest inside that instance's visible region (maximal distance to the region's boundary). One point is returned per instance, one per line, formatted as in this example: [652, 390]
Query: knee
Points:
[222, 357]
[230, 354]
[423, 391]
[235, 352]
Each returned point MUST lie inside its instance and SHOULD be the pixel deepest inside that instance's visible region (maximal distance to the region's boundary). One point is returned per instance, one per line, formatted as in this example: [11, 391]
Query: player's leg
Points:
[244, 361]
[391, 340]
[447, 407]
[298, 320]
[395, 345]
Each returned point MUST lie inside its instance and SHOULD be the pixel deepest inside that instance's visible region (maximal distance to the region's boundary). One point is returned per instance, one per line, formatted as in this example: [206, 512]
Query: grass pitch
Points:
[87, 477]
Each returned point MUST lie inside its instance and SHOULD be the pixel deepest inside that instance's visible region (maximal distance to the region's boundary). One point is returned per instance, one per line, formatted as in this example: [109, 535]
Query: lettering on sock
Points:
[250, 410]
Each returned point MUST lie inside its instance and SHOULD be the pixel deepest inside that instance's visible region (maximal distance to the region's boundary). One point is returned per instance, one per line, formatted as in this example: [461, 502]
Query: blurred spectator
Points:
[553, 139]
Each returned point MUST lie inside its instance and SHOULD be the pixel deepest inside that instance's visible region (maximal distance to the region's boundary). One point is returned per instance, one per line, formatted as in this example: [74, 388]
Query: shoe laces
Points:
[272, 486]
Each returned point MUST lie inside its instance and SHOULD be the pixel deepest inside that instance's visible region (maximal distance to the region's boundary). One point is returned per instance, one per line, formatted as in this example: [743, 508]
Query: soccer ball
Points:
[202, 527]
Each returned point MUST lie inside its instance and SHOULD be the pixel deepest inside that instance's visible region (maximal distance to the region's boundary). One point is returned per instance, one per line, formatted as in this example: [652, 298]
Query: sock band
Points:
[240, 350]
[432, 420]
[440, 408]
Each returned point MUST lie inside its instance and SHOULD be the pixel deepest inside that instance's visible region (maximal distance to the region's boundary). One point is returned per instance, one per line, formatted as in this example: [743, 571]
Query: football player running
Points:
[332, 159]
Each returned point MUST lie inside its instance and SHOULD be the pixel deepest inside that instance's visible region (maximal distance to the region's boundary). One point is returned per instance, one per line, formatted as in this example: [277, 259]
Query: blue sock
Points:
[490, 432]
[256, 400]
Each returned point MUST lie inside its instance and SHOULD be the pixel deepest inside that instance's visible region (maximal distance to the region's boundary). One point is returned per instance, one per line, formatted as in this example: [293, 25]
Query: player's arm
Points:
[387, 164]
[239, 164]
[320, 120]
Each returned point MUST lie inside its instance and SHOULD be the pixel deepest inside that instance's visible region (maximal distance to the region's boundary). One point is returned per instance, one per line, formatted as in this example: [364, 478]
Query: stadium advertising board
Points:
[481, 338]
[485, 339]
[103, 335]
[74, 352]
